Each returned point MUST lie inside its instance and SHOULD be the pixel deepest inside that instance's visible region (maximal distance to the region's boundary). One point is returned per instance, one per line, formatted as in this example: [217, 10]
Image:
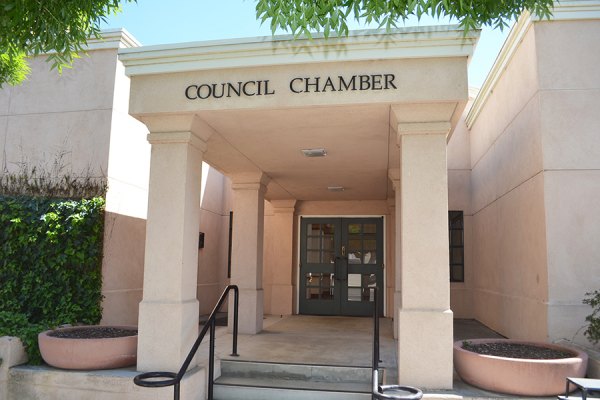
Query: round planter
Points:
[527, 377]
[88, 353]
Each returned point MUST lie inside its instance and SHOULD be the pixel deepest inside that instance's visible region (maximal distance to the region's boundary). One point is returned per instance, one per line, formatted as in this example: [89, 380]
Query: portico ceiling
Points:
[360, 141]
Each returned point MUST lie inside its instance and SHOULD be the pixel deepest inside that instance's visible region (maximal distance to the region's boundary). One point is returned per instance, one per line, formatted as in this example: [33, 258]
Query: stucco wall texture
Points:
[534, 186]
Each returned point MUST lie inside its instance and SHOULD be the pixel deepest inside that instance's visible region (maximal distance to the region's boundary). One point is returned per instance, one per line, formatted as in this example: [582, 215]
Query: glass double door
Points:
[341, 259]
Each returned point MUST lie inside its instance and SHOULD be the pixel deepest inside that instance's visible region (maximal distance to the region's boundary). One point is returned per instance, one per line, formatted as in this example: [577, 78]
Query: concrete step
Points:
[250, 380]
[307, 372]
[227, 388]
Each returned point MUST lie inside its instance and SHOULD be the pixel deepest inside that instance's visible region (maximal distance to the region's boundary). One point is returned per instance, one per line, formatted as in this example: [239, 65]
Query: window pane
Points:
[354, 280]
[457, 256]
[369, 244]
[354, 245]
[354, 228]
[369, 280]
[312, 293]
[312, 279]
[457, 273]
[456, 237]
[370, 228]
[370, 257]
[313, 257]
[328, 257]
[455, 219]
[355, 257]
[313, 229]
[328, 243]
[328, 229]
[313, 243]
[325, 280]
[354, 294]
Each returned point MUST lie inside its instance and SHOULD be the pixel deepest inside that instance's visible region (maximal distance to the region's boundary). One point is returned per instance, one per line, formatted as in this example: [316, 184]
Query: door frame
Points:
[296, 309]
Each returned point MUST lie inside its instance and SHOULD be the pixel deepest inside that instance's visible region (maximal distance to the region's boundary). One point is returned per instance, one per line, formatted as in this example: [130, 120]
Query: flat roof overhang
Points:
[410, 76]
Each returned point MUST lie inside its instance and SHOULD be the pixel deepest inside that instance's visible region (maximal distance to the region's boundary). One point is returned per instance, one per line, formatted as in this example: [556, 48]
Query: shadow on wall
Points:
[124, 246]
[122, 268]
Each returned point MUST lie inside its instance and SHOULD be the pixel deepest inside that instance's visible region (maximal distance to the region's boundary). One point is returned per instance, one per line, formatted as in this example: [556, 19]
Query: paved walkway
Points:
[304, 339]
[339, 341]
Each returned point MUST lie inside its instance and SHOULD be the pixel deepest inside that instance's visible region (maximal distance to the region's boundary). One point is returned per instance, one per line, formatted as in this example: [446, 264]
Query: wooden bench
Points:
[584, 384]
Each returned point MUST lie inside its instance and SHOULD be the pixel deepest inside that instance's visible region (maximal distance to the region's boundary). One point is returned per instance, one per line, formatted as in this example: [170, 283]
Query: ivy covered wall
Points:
[50, 265]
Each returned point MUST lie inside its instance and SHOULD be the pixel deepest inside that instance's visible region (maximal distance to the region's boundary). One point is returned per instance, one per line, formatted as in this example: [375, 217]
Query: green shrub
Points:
[592, 331]
[50, 265]
[16, 324]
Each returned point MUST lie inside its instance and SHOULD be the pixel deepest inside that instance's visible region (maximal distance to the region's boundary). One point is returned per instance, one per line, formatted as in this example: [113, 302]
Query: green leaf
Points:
[332, 15]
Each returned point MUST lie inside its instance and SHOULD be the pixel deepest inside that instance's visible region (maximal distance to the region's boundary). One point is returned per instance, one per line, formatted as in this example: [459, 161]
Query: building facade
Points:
[316, 170]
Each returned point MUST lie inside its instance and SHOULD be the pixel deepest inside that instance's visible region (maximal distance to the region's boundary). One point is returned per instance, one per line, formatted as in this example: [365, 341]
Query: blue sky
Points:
[161, 22]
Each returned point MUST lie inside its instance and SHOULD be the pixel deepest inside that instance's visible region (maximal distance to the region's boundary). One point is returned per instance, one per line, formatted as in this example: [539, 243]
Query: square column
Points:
[247, 248]
[168, 317]
[393, 204]
[425, 329]
[282, 257]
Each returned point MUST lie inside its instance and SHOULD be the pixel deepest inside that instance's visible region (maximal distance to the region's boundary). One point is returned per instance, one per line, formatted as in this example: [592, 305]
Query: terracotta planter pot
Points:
[527, 377]
[90, 353]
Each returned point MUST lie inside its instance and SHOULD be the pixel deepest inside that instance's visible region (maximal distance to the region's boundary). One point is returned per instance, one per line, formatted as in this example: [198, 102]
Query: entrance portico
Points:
[381, 105]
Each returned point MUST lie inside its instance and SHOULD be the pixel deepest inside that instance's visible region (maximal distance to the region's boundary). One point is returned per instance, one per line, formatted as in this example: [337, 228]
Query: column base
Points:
[397, 307]
[250, 312]
[425, 339]
[166, 333]
[194, 384]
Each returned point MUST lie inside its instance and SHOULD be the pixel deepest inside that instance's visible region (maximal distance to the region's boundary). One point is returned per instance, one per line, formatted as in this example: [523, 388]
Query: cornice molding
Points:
[424, 42]
[575, 10]
[110, 39]
[113, 39]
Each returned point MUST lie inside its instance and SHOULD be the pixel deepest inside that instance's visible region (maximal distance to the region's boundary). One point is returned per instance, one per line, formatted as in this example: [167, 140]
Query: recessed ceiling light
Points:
[335, 188]
[314, 152]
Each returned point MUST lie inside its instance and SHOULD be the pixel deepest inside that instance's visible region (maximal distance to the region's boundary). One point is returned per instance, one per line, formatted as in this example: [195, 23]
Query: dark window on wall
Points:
[457, 246]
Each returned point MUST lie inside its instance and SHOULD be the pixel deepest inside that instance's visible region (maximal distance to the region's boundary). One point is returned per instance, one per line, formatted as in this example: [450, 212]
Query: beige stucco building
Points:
[403, 159]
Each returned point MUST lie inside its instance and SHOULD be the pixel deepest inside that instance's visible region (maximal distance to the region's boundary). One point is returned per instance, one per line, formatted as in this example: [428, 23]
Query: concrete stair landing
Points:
[250, 380]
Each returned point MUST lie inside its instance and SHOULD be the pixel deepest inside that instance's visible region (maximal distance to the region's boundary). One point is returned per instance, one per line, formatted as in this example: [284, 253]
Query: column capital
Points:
[178, 123]
[422, 128]
[177, 138]
[283, 206]
[250, 181]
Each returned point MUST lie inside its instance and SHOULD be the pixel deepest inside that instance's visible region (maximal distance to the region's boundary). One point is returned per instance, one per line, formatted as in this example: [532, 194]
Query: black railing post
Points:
[236, 302]
[176, 391]
[375, 329]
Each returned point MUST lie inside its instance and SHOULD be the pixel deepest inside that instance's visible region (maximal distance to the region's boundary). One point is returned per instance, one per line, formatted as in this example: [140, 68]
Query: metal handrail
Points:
[378, 391]
[149, 379]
